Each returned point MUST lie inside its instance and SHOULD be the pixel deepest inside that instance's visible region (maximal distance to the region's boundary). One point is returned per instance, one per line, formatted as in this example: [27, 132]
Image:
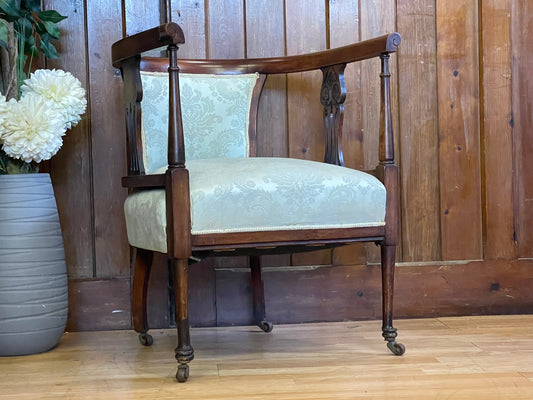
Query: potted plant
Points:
[35, 114]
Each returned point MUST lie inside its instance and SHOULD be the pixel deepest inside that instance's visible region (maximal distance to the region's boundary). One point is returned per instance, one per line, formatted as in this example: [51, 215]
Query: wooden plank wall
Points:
[463, 101]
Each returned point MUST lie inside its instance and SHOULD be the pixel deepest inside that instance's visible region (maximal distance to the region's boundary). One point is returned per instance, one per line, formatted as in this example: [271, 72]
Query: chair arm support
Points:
[150, 39]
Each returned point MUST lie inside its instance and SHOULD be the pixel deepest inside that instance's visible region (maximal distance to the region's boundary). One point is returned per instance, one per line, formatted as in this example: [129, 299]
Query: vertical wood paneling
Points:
[104, 21]
[522, 86]
[343, 30]
[306, 32]
[378, 17]
[141, 15]
[459, 154]
[226, 29]
[190, 15]
[265, 37]
[497, 131]
[71, 167]
[456, 192]
[418, 130]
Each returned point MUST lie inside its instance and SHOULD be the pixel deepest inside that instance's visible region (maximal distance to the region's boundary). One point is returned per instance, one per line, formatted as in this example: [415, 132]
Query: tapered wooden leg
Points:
[184, 351]
[387, 277]
[258, 292]
[141, 276]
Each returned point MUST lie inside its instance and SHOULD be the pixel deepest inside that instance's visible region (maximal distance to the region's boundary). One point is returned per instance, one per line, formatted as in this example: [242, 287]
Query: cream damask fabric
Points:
[261, 194]
[215, 110]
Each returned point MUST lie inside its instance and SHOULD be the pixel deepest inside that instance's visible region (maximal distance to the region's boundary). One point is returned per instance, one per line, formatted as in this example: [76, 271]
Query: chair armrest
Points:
[150, 39]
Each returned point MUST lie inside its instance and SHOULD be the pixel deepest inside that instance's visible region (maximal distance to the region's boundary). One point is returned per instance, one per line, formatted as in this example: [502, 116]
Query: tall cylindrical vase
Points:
[33, 278]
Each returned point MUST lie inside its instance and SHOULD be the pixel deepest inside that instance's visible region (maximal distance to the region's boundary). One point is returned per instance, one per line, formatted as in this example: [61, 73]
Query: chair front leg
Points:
[139, 295]
[184, 351]
[388, 254]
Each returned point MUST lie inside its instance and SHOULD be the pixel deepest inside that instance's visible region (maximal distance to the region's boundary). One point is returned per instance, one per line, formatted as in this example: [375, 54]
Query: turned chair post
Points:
[179, 248]
[388, 171]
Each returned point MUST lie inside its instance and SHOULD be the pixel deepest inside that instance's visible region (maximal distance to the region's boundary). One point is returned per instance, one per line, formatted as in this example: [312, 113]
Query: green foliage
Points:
[34, 29]
[9, 165]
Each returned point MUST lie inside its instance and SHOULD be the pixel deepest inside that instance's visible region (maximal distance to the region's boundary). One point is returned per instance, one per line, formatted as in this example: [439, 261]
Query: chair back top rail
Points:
[171, 33]
[281, 65]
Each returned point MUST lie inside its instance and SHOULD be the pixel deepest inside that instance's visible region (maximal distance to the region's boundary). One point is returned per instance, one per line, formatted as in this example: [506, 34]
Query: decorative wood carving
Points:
[332, 96]
[132, 101]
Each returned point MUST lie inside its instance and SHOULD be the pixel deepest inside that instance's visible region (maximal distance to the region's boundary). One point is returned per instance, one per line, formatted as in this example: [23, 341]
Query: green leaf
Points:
[32, 5]
[40, 28]
[52, 29]
[11, 8]
[51, 15]
[48, 49]
[3, 33]
[33, 51]
[24, 26]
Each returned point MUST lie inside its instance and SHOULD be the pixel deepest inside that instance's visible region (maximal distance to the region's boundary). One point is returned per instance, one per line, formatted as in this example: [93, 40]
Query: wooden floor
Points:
[449, 358]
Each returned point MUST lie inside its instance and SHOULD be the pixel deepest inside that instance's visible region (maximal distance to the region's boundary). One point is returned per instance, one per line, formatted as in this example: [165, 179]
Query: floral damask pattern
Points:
[215, 110]
[261, 194]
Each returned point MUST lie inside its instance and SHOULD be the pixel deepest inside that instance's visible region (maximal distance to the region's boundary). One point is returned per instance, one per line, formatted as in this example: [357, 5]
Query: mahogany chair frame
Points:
[184, 246]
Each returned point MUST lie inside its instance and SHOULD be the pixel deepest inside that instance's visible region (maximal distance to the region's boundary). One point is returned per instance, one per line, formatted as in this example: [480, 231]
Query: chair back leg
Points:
[141, 275]
[258, 292]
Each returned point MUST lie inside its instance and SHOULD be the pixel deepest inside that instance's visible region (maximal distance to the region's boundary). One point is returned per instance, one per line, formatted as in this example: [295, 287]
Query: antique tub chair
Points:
[196, 189]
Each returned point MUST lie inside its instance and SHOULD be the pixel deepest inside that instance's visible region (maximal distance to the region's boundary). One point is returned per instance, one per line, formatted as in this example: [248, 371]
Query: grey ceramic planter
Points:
[33, 279]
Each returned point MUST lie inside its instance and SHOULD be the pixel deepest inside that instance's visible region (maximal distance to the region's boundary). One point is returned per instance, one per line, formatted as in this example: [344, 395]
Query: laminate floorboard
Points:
[447, 358]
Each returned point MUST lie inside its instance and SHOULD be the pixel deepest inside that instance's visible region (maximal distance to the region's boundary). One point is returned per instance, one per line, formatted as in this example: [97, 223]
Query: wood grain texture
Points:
[482, 358]
[375, 23]
[497, 131]
[306, 32]
[459, 130]
[104, 21]
[418, 130]
[140, 16]
[190, 15]
[265, 37]
[226, 29]
[522, 119]
[99, 304]
[71, 168]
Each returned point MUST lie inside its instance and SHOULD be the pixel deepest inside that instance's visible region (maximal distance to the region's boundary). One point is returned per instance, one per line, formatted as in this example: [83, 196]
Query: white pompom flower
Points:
[33, 129]
[4, 107]
[62, 88]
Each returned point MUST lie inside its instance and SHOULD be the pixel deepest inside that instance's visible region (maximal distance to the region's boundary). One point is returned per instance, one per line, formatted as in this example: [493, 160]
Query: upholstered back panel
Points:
[215, 112]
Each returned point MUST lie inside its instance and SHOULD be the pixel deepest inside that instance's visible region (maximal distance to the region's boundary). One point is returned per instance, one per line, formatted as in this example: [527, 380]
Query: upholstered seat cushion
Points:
[261, 194]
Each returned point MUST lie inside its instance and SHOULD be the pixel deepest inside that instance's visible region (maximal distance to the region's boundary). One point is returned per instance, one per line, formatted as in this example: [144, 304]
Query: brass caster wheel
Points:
[266, 326]
[183, 373]
[397, 348]
[146, 339]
